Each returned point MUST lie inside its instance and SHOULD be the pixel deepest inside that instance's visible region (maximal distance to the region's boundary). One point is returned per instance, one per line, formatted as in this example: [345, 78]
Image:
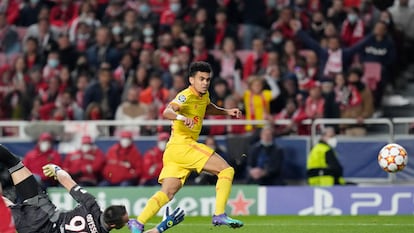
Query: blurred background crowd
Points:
[275, 59]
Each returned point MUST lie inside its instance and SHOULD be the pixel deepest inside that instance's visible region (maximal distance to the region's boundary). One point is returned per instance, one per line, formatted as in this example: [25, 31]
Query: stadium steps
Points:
[405, 89]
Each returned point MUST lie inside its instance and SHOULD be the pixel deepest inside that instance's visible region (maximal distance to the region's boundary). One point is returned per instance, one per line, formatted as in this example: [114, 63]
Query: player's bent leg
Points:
[217, 165]
[16, 168]
[7, 158]
[24, 181]
[169, 188]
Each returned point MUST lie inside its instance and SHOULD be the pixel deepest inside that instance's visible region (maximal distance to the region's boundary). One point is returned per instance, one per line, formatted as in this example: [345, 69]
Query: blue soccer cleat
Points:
[135, 227]
[223, 219]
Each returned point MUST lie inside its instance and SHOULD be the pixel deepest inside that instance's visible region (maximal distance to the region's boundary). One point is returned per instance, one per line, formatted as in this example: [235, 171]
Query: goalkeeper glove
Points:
[50, 170]
[169, 221]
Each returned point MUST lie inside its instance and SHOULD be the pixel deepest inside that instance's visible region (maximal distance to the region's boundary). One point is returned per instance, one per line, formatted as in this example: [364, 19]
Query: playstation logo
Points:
[322, 204]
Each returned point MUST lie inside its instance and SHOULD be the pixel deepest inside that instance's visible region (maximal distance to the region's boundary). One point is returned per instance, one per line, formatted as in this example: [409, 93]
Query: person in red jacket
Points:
[41, 155]
[168, 16]
[123, 165]
[152, 163]
[85, 164]
[155, 93]
[353, 28]
[63, 13]
[256, 62]
[292, 112]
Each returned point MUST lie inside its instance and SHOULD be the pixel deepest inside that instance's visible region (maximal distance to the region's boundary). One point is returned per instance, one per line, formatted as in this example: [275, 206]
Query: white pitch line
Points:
[310, 224]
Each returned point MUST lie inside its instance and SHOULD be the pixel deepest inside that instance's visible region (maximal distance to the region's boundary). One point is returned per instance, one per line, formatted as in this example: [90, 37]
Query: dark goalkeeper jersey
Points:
[84, 218]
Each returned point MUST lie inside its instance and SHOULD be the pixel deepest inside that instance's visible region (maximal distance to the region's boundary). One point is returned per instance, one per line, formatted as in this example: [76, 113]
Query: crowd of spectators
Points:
[276, 59]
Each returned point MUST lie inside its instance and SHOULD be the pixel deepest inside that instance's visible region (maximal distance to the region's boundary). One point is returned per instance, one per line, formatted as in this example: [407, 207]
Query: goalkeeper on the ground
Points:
[36, 213]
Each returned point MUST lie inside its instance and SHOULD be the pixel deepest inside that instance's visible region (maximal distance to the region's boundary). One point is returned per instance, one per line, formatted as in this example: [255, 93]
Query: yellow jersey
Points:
[191, 105]
[256, 106]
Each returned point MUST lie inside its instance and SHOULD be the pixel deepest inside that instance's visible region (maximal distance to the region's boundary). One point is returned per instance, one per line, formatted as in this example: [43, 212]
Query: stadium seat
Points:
[304, 52]
[21, 31]
[11, 59]
[242, 54]
[3, 59]
[216, 53]
[372, 74]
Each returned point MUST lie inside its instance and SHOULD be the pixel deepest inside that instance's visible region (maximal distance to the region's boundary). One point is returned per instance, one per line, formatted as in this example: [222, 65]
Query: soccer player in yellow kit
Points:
[184, 154]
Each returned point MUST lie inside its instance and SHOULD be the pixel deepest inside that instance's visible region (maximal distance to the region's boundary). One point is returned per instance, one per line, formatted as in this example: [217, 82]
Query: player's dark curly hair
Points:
[113, 215]
[199, 66]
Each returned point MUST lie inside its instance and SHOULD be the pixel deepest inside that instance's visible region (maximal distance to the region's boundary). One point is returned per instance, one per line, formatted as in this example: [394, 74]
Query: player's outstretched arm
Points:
[170, 220]
[52, 170]
[213, 109]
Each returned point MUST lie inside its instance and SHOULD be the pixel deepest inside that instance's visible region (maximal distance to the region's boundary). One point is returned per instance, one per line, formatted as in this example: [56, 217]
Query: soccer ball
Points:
[392, 158]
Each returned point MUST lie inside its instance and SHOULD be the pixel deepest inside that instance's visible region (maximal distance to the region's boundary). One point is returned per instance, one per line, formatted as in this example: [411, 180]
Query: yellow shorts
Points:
[180, 159]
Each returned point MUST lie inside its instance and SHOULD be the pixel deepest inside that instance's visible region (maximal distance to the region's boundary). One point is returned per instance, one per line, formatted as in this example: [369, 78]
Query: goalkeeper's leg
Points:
[24, 181]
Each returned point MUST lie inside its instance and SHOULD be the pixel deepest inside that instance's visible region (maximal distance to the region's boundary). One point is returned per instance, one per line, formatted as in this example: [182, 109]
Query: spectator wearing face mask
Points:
[317, 27]
[276, 42]
[147, 14]
[148, 35]
[53, 67]
[152, 161]
[323, 167]
[123, 165]
[353, 28]
[85, 163]
[117, 30]
[42, 154]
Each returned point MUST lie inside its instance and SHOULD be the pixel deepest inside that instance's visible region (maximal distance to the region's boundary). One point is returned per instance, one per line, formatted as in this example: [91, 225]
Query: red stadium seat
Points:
[372, 74]
[11, 59]
[21, 31]
[3, 59]
[242, 54]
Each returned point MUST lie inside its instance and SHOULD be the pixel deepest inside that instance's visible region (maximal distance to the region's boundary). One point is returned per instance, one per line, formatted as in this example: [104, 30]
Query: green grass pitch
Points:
[298, 224]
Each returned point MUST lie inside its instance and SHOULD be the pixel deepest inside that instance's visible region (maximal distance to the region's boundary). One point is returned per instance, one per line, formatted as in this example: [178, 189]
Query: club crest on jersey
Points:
[181, 98]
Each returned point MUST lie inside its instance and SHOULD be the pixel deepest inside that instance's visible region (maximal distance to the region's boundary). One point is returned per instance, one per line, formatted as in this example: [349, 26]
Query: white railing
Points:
[405, 121]
[349, 121]
[21, 126]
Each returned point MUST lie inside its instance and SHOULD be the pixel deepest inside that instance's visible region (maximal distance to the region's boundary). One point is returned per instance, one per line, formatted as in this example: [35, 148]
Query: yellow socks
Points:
[154, 204]
[223, 189]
